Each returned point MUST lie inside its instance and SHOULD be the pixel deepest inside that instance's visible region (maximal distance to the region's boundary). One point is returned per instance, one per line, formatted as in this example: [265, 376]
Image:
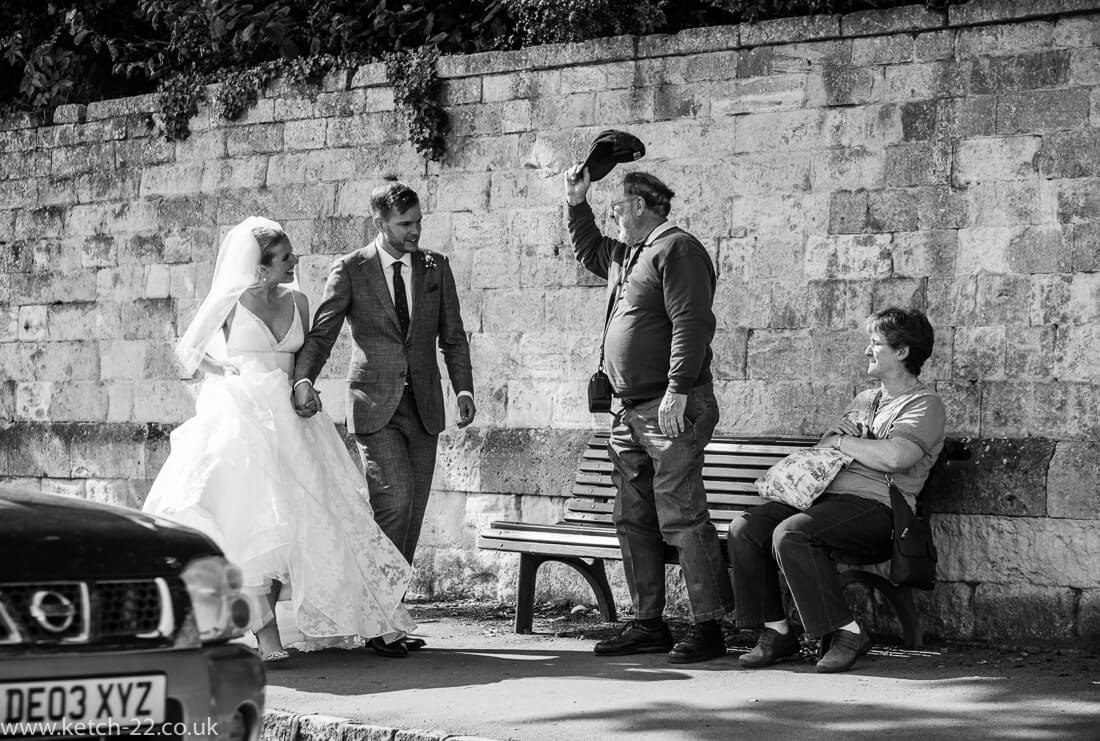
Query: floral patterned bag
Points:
[802, 476]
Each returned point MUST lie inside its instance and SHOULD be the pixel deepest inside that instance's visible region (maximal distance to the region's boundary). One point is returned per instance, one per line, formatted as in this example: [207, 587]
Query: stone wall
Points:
[833, 165]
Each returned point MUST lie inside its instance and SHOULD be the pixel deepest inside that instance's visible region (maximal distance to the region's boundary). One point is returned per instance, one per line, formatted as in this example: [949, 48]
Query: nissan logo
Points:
[53, 611]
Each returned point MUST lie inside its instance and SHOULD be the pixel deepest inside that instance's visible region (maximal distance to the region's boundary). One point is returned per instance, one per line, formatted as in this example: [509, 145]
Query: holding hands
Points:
[306, 399]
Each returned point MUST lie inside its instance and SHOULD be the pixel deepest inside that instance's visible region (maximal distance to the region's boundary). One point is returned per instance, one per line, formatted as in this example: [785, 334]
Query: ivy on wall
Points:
[416, 92]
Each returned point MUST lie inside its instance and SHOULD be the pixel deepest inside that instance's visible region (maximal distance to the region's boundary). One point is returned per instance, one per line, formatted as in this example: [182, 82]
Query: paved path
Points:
[478, 679]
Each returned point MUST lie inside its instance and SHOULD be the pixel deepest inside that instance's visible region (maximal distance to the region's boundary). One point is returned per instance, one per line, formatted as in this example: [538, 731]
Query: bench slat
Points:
[606, 489]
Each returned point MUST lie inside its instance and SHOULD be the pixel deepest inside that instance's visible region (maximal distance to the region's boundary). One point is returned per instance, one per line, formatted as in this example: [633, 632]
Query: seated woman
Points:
[893, 430]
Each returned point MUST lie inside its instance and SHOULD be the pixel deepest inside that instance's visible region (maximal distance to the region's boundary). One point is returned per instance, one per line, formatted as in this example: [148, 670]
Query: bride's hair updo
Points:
[268, 238]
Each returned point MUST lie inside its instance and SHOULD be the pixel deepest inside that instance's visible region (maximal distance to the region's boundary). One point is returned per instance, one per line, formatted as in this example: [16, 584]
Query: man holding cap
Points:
[661, 284]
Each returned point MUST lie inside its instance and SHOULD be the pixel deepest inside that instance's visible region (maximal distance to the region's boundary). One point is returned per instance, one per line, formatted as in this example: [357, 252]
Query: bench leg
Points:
[525, 591]
[594, 573]
[900, 599]
[596, 576]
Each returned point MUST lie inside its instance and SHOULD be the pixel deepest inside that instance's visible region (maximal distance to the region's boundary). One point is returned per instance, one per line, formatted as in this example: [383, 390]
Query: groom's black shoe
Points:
[415, 644]
[395, 650]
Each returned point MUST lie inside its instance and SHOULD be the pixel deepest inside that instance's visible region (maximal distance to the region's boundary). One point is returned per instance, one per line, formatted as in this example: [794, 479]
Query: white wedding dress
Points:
[282, 497]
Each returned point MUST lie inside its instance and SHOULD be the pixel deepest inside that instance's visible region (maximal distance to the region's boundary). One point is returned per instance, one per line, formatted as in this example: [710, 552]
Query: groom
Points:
[399, 301]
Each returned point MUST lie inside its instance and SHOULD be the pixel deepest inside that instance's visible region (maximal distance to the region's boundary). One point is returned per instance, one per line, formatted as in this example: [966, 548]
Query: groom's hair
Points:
[386, 198]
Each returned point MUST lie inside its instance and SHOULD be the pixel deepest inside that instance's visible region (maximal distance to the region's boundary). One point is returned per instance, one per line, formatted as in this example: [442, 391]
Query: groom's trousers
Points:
[398, 462]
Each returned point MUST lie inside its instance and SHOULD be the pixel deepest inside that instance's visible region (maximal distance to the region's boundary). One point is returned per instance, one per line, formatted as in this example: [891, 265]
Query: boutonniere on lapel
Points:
[429, 260]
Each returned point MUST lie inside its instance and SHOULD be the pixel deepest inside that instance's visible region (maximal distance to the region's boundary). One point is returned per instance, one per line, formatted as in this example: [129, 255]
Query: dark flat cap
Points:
[609, 148]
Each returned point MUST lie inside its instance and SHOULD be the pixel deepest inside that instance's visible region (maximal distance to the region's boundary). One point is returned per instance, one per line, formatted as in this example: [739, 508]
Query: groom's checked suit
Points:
[395, 402]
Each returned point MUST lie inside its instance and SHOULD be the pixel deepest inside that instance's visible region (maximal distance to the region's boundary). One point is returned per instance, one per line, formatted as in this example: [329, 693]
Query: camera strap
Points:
[613, 302]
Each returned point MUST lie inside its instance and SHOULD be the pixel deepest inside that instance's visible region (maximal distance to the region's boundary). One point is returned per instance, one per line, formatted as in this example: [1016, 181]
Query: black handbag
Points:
[914, 557]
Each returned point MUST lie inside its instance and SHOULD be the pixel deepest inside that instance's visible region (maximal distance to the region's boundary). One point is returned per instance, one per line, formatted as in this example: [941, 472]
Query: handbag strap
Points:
[632, 259]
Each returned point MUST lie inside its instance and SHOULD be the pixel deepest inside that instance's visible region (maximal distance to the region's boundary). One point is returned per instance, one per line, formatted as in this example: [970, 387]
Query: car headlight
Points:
[214, 585]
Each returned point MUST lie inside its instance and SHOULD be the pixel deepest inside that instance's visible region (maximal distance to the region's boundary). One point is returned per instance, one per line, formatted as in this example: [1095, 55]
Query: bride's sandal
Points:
[271, 657]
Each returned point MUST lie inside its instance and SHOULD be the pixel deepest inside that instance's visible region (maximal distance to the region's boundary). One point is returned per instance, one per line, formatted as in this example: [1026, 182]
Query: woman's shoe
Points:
[271, 657]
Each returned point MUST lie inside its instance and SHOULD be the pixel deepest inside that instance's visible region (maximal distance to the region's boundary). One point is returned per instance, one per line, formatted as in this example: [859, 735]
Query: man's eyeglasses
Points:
[614, 206]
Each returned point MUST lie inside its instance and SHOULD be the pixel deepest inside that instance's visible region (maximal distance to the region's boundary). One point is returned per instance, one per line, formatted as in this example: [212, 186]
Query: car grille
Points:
[76, 612]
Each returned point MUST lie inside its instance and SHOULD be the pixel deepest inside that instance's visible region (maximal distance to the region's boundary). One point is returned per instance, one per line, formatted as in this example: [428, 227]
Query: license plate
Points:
[46, 705]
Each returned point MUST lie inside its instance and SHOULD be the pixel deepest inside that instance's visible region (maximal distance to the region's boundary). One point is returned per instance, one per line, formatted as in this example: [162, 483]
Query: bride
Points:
[279, 493]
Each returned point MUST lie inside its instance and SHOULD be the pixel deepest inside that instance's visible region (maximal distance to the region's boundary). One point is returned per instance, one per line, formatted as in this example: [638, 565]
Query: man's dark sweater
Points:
[659, 336]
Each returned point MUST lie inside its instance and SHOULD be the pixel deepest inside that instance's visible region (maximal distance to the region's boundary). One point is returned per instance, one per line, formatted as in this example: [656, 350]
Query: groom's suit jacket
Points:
[357, 291]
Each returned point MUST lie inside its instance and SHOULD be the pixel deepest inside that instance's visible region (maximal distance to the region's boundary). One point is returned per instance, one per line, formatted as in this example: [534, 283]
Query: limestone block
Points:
[1002, 299]
[20, 165]
[1084, 67]
[786, 130]
[876, 50]
[119, 492]
[1085, 240]
[949, 612]
[479, 154]
[756, 95]
[64, 361]
[143, 152]
[122, 359]
[78, 401]
[306, 134]
[237, 173]
[1001, 477]
[545, 354]
[65, 161]
[49, 221]
[19, 193]
[712, 65]
[1004, 38]
[995, 158]
[32, 400]
[848, 169]
[759, 407]
[983, 249]
[1070, 154]
[1073, 486]
[64, 487]
[1029, 352]
[848, 256]
[923, 80]
[282, 203]
[495, 355]
[1043, 110]
[150, 319]
[259, 138]
[828, 303]
[982, 11]
[120, 401]
[1029, 71]
[1017, 550]
[9, 323]
[508, 461]
[1022, 613]
[1075, 31]
[1061, 410]
[162, 401]
[620, 106]
[84, 321]
[1078, 200]
[48, 287]
[463, 192]
[598, 77]
[1065, 299]
[35, 449]
[963, 404]
[530, 402]
[18, 140]
[1040, 249]
[32, 323]
[1088, 617]
[547, 113]
[846, 85]
[800, 28]
[157, 281]
[892, 210]
[512, 311]
[1077, 352]
[924, 253]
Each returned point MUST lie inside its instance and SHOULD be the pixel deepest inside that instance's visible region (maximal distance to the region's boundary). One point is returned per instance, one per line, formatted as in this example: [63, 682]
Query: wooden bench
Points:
[586, 536]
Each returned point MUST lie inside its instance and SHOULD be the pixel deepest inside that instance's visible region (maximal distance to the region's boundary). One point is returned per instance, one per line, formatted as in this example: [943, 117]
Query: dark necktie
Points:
[400, 299]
